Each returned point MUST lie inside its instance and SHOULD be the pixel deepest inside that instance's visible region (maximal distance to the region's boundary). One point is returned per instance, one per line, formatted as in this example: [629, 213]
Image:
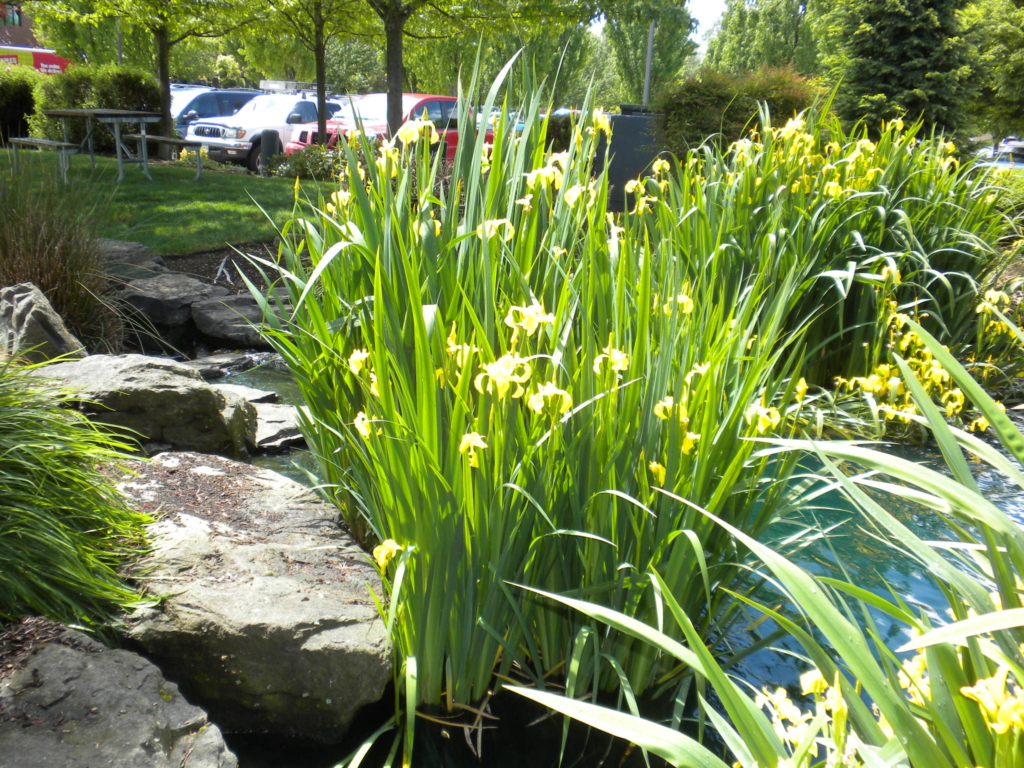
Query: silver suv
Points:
[237, 139]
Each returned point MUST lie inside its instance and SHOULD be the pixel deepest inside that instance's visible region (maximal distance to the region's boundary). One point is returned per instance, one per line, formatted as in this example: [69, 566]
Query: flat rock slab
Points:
[69, 702]
[268, 623]
[167, 299]
[124, 262]
[233, 320]
[277, 427]
[217, 366]
[251, 394]
[161, 308]
[163, 401]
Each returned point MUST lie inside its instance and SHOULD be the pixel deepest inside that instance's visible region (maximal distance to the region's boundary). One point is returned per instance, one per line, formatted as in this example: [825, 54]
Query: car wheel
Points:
[255, 161]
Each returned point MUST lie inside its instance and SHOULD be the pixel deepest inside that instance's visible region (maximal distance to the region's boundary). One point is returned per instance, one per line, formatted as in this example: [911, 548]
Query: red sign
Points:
[39, 59]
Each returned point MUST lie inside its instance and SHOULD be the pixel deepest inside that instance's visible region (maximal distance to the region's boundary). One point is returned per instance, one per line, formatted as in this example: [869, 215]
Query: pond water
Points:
[850, 547]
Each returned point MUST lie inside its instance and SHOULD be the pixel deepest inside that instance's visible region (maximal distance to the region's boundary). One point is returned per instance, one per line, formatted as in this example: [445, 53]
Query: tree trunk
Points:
[394, 29]
[163, 75]
[320, 54]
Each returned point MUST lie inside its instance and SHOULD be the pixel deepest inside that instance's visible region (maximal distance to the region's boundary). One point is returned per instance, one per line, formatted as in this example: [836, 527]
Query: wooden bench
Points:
[179, 143]
[64, 149]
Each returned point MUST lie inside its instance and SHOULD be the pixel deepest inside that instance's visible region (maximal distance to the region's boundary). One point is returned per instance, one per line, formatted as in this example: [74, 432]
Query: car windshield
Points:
[181, 98]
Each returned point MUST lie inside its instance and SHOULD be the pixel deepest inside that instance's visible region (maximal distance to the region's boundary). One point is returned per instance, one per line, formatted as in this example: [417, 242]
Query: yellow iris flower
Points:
[384, 552]
[549, 391]
[500, 376]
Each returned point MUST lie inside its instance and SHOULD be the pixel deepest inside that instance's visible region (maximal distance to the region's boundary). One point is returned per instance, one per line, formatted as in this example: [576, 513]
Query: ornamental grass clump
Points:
[48, 238]
[65, 532]
[508, 384]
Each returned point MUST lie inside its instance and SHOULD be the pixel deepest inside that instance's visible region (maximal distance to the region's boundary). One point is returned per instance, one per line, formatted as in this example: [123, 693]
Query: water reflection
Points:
[856, 552]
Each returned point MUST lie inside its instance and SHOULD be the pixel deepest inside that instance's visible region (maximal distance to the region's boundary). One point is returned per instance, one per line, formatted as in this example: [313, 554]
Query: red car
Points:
[372, 110]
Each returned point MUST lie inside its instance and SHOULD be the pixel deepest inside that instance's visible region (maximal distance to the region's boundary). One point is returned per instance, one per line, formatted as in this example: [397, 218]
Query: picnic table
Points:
[113, 119]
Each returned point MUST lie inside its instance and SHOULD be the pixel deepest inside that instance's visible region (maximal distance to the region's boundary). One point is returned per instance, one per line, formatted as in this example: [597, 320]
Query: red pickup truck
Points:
[372, 109]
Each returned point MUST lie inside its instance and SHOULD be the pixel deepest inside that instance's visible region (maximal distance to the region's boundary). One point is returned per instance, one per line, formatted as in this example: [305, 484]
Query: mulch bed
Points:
[217, 498]
[224, 266]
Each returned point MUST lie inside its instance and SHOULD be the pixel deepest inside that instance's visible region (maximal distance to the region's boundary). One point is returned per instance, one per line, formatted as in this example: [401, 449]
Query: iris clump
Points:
[551, 380]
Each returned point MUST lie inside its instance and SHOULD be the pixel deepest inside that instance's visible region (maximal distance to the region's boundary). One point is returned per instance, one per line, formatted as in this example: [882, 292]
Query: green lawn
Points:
[172, 214]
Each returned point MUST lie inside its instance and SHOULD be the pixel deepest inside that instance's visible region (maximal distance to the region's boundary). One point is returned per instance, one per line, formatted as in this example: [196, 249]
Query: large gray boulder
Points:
[268, 621]
[123, 261]
[77, 704]
[163, 401]
[232, 321]
[31, 328]
[163, 305]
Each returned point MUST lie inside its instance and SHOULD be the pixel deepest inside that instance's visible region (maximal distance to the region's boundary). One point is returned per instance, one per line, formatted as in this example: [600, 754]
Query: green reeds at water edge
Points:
[507, 384]
[957, 701]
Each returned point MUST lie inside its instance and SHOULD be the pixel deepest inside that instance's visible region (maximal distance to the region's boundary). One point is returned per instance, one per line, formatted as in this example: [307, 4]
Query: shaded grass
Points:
[172, 214]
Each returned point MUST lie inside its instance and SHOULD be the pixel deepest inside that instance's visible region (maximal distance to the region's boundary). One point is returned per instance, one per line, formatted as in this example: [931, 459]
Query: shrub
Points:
[64, 530]
[314, 162]
[17, 100]
[720, 106]
[85, 86]
[48, 239]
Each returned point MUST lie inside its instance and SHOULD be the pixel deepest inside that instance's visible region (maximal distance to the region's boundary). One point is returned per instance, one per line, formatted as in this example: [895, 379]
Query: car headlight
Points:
[234, 133]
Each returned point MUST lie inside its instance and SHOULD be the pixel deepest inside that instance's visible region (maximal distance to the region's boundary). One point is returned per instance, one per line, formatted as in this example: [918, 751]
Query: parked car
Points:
[372, 111]
[191, 103]
[1009, 153]
[237, 139]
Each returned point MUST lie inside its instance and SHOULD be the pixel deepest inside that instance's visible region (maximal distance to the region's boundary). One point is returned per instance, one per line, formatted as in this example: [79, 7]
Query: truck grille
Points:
[208, 130]
[303, 136]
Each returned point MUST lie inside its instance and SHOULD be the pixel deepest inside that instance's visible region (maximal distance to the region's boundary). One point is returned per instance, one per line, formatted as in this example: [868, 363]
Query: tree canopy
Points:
[627, 25]
[765, 33]
[169, 23]
[895, 59]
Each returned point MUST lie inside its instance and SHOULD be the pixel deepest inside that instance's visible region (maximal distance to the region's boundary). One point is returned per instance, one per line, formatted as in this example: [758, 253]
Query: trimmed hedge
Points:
[723, 107]
[86, 86]
[17, 100]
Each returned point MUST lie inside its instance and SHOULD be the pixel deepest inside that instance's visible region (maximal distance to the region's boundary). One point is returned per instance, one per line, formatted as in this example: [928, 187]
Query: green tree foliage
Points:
[628, 22]
[765, 33]
[169, 23]
[900, 58]
[555, 48]
[355, 66]
[437, 21]
[598, 71]
[274, 56]
[994, 30]
[315, 24]
[94, 43]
